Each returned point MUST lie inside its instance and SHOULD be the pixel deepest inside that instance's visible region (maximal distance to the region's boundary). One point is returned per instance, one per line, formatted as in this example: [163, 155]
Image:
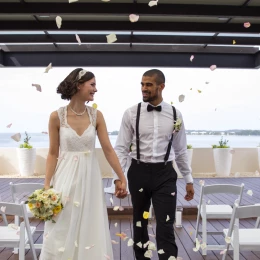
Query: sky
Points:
[230, 100]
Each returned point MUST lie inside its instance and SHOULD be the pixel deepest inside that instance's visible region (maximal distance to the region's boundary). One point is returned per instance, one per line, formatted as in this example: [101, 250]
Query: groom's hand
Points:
[120, 189]
[190, 192]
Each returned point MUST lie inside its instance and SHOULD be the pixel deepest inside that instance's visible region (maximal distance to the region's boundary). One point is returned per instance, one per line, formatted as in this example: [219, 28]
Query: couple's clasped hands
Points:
[120, 189]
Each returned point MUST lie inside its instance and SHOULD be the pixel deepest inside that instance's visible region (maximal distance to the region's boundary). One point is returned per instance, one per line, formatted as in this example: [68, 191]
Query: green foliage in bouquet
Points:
[189, 146]
[26, 142]
[222, 144]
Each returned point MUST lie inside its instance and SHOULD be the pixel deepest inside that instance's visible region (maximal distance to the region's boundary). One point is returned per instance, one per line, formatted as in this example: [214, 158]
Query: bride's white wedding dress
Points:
[81, 231]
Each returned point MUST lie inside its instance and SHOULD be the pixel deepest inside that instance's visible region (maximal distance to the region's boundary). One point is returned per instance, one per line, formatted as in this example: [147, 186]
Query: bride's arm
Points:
[107, 147]
[54, 125]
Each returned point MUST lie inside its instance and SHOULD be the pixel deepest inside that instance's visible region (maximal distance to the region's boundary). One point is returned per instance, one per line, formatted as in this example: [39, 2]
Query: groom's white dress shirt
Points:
[155, 129]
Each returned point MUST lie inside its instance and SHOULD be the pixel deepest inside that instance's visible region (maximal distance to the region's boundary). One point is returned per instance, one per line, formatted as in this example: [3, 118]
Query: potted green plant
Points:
[222, 154]
[26, 157]
[190, 153]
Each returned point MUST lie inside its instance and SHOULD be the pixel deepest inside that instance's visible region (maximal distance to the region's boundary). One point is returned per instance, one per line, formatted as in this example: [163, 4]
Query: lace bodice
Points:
[70, 141]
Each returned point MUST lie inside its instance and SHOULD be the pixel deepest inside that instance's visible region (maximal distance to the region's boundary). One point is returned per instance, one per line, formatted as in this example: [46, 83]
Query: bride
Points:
[81, 230]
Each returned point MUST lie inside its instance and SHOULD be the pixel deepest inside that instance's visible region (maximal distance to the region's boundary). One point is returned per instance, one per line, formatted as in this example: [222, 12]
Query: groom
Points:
[156, 141]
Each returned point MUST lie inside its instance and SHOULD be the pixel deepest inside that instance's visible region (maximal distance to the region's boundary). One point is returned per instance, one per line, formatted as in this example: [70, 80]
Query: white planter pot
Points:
[190, 153]
[26, 159]
[258, 148]
[223, 161]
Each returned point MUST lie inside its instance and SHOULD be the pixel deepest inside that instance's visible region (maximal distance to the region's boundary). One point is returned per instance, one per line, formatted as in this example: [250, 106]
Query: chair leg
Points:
[17, 223]
[22, 242]
[236, 243]
[225, 254]
[197, 226]
[204, 227]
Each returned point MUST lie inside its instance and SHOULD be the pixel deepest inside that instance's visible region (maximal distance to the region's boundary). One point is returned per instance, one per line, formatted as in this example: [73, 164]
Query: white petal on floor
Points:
[250, 192]
[78, 39]
[133, 18]
[148, 254]
[111, 38]
[161, 252]
[168, 218]
[153, 3]
[213, 67]
[191, 58]
[111, 200]
[58, 21]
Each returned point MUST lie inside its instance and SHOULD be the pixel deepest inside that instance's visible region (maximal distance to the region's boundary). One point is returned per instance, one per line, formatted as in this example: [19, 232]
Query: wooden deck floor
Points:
[183, 239]
[250, 184]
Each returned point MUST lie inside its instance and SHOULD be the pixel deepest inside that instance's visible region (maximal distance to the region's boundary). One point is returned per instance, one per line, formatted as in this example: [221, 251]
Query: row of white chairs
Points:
[236, 238]
[19, 235]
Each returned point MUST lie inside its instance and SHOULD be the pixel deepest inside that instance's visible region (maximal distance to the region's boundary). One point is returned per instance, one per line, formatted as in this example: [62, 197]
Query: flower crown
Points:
[81, 74]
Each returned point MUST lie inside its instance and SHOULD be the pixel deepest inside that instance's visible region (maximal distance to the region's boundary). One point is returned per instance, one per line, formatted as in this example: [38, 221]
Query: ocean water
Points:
[197, 141]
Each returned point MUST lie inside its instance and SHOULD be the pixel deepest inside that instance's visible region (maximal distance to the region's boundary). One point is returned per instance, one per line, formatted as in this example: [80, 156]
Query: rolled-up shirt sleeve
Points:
[180, 150]
[123, 142]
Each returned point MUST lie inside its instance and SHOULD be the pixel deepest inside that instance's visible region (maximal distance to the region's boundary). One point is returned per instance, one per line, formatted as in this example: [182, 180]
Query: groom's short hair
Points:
[160, 78]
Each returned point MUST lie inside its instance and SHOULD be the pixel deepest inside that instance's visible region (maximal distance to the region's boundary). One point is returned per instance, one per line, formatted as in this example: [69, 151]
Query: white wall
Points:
[244, 160]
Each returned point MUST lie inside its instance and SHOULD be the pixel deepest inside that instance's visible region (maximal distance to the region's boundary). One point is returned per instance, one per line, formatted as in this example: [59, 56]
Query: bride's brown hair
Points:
[69, 86]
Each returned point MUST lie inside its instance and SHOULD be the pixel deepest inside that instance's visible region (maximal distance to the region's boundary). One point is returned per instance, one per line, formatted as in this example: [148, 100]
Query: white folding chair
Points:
[242, 239]
[26, 189]
[215, 211]
[16, 236]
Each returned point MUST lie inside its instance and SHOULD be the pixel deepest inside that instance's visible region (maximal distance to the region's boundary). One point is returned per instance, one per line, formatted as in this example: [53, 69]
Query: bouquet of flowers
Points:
[45, 204]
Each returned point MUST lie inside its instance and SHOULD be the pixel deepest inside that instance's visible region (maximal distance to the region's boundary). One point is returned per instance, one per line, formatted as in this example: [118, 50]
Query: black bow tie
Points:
[151, 108]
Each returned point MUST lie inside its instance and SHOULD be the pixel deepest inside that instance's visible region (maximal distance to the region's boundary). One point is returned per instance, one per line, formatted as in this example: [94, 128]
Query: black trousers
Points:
[158, 181]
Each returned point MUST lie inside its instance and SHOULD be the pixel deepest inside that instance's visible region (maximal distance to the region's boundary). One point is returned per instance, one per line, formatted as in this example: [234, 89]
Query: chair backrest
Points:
[12, 209]
[240, 212]
[22, 188]
[222, 188]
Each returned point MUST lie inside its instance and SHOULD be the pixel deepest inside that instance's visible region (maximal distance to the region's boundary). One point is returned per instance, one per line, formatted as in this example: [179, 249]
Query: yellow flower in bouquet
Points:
[45, 204]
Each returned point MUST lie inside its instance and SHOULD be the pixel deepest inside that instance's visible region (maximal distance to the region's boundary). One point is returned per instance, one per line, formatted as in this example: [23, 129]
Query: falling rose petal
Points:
[191, 58]
[232, 151]
[121, 208]
[153, 3]
[58, 21]
[152, 235]
[250, 192]
[115, 224]
[201, 182]
[111, 200]
[133, 18]
[173, 193]
[75, 158]
[87, 152]
[111, 38]
[181, 98]
[223, 252]
[44, 132]
[78, 39]
[199, 91]
[140, 245]
[168, 218]
[130, 242]
[8, 126]
[146, 244]
[18, 233]
[38, 87]
[13, 226]
[151, 246]
[138, 224]
[228, 240]
[213, 67]
[61, 249]
[145, 215]
[171, 103]
[148, 254]
[237, 174]
[76, 203]
[114, 242]
[247, 25]
[66, 198]
[203, 246]
[257, 173]
[234, 42]
[48, 68]
[94, 105]
[16, 137]
[76, 244]
[141, 190]
[116, 208]
[190, 88]
[107, 256]
[73, 1]
[161, 252]
[215, 109]
[207, 82]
